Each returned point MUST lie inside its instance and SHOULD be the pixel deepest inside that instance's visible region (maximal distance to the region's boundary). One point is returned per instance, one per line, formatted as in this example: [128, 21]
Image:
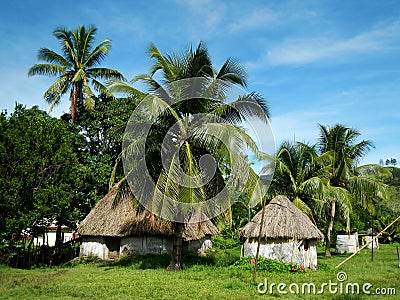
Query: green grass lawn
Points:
[203, 278]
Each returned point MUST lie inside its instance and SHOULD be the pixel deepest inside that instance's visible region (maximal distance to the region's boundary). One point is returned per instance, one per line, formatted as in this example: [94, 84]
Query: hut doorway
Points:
[113, 244]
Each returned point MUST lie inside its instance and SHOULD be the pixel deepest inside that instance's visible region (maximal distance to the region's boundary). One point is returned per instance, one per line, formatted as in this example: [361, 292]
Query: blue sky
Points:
[315, 62]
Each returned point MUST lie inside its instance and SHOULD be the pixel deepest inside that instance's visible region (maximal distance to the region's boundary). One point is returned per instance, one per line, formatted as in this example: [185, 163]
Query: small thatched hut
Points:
[288, 235]
[117, 227]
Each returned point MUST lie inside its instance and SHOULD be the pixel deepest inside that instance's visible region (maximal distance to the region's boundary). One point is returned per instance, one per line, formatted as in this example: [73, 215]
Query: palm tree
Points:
[300, 174]
[76, 68]
[348, 184]
[192, 141]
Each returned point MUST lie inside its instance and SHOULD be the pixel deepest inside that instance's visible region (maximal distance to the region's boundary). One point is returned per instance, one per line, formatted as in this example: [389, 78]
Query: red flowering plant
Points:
[296, 268]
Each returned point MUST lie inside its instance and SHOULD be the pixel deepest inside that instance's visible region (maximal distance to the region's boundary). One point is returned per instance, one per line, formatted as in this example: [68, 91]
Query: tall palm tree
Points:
[192, 139]
[346, 179]
[76, 68]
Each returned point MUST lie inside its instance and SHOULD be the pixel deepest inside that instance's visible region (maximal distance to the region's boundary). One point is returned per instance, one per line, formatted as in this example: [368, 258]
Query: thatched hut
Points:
[288, 235]
[117, 227]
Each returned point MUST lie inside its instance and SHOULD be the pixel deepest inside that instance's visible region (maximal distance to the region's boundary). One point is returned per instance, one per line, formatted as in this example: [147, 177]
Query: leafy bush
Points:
[10, 251]
[224, 257]
[88, 259]
[221, 242]
[266, 264]
[227, 239]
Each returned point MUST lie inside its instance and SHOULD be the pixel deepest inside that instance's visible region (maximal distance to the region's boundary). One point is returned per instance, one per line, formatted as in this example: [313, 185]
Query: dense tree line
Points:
[42, 177]
[54, 171]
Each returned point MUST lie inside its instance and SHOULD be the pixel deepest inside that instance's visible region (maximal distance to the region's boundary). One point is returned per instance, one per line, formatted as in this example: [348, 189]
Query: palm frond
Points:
[47, 55]
[166, 189]
[152, 107]
[255, 188]
[193, 187]
[98, 54]
[161, 63]
[101, 89]
[105, 73]
[118, 86]
[343, 199]
[79, 75]
[358, 150]
[54, 93]
[244, 108]
[314, 187]
[252, 105]
[196, 63]
[372, 169]
[236, 139]
[233, 72]
[67, 45]
[152, 84]
[46, 69]
[366, 190]
[300, 204]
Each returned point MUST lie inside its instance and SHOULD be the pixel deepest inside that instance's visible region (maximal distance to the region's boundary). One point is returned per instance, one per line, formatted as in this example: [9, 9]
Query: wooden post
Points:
[371, 241]
[264, 180]
[372, 248]
[259, 242]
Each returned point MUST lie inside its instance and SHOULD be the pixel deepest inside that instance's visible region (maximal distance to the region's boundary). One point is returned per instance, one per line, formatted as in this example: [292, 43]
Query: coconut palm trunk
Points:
[74, 98]
[329, 230]
[176, 255]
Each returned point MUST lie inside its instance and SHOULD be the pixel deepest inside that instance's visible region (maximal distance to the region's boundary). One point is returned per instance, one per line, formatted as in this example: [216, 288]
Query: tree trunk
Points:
[30, 250]
[72, 108]
[58, 245]
[176, 255]
[329, 230]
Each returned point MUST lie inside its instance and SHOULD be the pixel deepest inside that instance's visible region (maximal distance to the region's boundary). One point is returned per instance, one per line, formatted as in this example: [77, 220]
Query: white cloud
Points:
[307, 50]
[255, 19]
[208, 13]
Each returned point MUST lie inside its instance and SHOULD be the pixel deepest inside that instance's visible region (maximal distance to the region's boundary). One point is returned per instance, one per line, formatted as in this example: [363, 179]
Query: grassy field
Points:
[203, 278]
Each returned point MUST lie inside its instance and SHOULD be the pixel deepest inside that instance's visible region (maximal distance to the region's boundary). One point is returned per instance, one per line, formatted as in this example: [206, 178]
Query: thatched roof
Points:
[282, 219]
[119, 218]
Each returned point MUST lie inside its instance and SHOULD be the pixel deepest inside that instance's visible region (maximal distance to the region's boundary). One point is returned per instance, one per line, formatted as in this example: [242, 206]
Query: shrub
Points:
[227, 239]
[88, 259]
[220, 242]
[266, 264]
